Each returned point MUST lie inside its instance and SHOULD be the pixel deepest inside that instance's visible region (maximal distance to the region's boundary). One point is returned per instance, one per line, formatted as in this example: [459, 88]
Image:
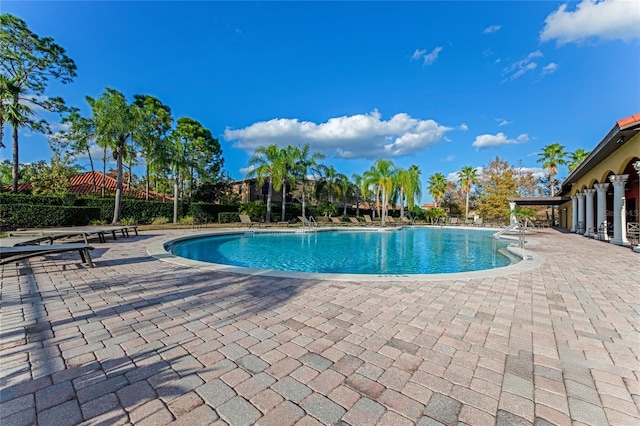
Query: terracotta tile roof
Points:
[82, 184]
[629, 121]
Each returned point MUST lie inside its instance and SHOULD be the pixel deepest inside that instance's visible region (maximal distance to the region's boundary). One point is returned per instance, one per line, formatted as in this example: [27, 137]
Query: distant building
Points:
[83, 184]
[600, 198]
[248, 190]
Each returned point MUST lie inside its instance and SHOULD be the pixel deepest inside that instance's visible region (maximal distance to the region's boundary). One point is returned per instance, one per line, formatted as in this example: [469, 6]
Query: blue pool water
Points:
[403, 251]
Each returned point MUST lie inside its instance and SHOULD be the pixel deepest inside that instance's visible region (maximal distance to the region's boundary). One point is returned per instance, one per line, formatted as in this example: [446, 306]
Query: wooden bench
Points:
[14, 254]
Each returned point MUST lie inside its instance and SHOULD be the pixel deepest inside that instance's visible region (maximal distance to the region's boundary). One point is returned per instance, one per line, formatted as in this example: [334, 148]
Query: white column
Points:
[580, 211]
[590, 231]
[512, 208]
[574, 212]
[619, 210]
[636, 166]
[602, 209]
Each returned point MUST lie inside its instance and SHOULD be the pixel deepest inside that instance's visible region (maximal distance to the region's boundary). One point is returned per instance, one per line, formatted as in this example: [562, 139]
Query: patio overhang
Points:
[540, 201]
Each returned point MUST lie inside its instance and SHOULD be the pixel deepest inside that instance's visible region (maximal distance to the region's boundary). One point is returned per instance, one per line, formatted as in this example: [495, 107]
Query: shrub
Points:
[256, 210]
[160, 220]
[209, 212]
[28, 215]
[186, 220]
[228, 217]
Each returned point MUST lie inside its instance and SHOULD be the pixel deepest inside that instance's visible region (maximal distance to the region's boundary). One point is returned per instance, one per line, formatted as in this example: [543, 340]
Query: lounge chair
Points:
[24, 241]
[355, 220]
[337, 221]
[454, 221]
[368, 220]
[16, 253]
[246, 220]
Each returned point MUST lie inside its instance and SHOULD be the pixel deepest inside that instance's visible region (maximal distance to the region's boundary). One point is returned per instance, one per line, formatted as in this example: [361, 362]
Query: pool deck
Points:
[137, 340]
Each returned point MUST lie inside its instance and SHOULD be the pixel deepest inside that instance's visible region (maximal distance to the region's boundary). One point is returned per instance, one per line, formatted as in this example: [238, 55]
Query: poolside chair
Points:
[355, 221]
[454, 221]
[368, 220]
[16, 253]
[246, 220]
[337, 221]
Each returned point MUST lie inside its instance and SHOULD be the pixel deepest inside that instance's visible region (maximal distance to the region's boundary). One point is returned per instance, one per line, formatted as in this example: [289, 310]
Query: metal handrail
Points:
[505, 230]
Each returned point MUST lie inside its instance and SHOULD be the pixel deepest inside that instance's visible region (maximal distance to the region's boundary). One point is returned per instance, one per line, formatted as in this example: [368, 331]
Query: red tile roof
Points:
[82, 184]
[629, 121]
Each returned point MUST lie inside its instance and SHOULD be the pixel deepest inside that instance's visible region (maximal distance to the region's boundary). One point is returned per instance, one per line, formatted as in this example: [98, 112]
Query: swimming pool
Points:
[401, 251]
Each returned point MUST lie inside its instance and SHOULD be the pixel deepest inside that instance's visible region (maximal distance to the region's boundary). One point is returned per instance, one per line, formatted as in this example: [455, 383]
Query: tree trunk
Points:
[1, 124]
[93, 171]
[401, 202]
[269, 193]
[104, 170]
[284, 201]
[15, 171]
[116, 209]
[304, 196]
[383, 215]
[466, 209]
[176, 185]
[148, 184]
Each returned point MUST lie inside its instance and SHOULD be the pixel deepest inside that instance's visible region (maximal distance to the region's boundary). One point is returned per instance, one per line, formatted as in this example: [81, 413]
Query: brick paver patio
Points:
[142, 341]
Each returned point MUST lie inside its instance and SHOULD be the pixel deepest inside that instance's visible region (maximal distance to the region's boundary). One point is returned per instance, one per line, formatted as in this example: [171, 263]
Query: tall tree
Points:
[551, 157]
[437, 186]
[193, 151]
[577, 157]
[265, 162]
[408, 183]
[467, 177]
[306, 163]
[384, 171]
[345, 186]
[115, 122]
[81, 132]
[28, 62]
[151, 136]
[496, 184]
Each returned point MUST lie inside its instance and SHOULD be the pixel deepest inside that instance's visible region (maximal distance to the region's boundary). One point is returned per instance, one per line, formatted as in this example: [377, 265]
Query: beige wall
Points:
[615, 164]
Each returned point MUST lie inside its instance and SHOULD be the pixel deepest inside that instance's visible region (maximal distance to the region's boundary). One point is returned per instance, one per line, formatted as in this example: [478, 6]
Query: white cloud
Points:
[521, 67]
[549, 68]
[607, 19]
[491, 29]
[427, 59]
[433, 56]
[245, 170]
[489, 141]
[452, 177]
[450, 157]
[536, 171]
[357, 136]
[463, 127]
[503, 122]
[418, 54]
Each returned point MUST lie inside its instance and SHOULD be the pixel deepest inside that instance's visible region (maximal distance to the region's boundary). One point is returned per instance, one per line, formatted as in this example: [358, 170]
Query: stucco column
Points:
[574, 212]
[580, 211]
[602, 209]
[636, 166]
[512, 209]
[619, 210]
[590, 231]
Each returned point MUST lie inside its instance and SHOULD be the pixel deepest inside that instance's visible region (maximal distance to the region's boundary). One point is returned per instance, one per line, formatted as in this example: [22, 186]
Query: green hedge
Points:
[28, 215]
[142, 211]
[210, 212]
[228, 217]
[10, 198]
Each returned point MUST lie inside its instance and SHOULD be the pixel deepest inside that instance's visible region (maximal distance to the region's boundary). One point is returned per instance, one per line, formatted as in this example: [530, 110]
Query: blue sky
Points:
[438, 84]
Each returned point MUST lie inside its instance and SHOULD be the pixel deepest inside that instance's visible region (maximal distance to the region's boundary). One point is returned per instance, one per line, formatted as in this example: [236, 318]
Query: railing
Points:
[517, 226]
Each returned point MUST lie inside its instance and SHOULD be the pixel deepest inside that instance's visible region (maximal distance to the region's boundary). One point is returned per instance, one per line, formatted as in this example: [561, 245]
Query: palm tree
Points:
[345, 185]
[371, 184]
[306, 163]
[357, 182]
[437, 186]
[577, 157]
[82, 131]
[408, 183]
[467, 177]
[115, 121]
[551, 157]
[383, 172]
[269, 164]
